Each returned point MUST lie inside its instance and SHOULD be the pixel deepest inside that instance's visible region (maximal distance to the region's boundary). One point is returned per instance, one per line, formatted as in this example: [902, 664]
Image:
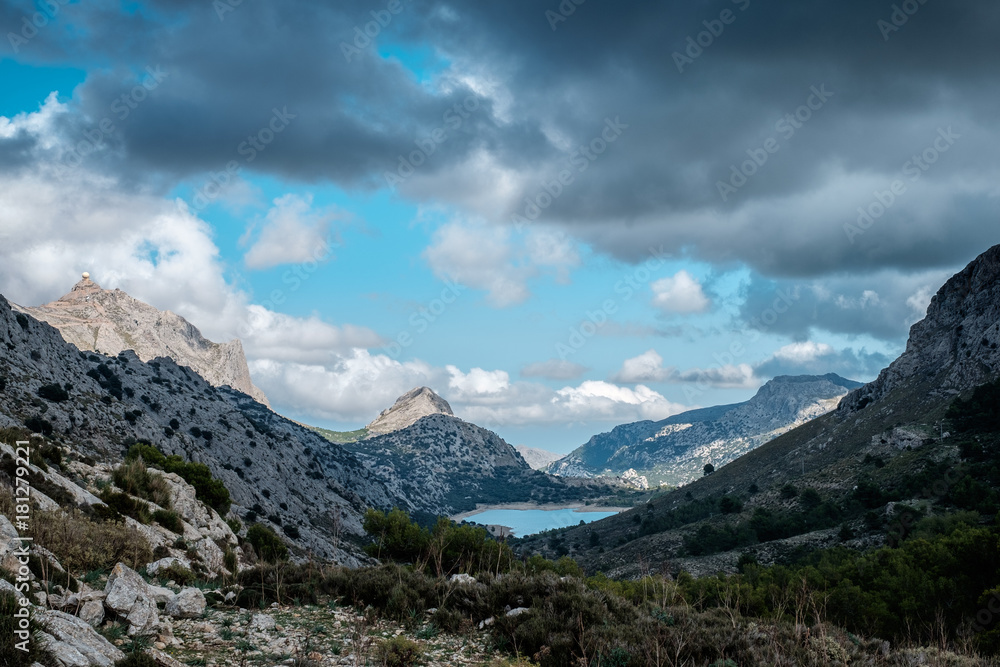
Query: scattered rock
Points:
[130, 596]
[189, 603]
[162, 595]
[462, 579]
[92, 613]
[262, 623]
[164, 563]
[518, 611]
[73, 636]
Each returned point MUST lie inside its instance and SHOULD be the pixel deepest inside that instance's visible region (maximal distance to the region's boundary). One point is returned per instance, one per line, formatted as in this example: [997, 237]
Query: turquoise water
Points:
[529, 522]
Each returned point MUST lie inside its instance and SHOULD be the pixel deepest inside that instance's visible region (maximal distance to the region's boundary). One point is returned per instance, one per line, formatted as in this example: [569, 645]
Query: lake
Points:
[529, 522]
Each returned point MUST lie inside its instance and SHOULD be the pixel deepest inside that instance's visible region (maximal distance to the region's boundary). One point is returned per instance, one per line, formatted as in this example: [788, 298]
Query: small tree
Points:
[709, 469]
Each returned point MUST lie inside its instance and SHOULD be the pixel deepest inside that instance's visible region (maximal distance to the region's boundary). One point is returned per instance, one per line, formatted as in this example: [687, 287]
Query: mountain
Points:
[111, 321]
[675, 450]
[955, 347]
[438, 464]
[860, 476]
[95, 406]
[538, 459]
[408, 408]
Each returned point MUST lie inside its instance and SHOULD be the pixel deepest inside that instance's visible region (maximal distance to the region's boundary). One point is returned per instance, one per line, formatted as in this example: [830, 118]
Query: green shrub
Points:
[134, 478]
[170, 520]
[399, 652]
[177, 572]
[266, 543]
[207, 489]
[137, 659]
[127, 505]
[53, 392]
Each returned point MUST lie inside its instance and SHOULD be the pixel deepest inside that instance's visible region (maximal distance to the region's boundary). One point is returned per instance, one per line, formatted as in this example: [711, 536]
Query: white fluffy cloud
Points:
[680, 293]
[293, 232]
[648, 367]
[494, 259]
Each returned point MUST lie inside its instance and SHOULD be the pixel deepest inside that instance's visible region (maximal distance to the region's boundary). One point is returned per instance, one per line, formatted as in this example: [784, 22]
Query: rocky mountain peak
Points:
[110, 321]
[409, 408]
[957, 344]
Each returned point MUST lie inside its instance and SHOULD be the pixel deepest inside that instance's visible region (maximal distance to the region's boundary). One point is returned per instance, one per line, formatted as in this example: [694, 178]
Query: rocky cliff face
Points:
[408, 409]
[111, 321]
[271, 466]
[956, 346]
[675, 450]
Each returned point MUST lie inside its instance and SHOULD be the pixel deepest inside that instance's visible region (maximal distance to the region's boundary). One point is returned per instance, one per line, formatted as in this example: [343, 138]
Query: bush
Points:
[266, 543]
[207, 489]
[127, 505]
[291, 531]
[137, 659]
[53, 392]
[170, 520]
[399, 652]
[133, 478]
[38, 425]
[82, 544]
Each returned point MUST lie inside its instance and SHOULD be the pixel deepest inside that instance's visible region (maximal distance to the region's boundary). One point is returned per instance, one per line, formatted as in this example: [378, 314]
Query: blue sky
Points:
[488, 111]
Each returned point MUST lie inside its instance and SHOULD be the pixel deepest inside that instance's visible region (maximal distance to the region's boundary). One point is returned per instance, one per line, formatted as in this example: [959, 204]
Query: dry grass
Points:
[135, 479]
[82, 545]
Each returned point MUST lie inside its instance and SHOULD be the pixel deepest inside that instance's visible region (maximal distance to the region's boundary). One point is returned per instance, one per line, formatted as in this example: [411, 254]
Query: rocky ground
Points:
[323, 635]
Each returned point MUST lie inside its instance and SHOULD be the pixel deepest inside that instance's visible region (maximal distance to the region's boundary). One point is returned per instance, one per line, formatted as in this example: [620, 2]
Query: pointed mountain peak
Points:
[409, 408]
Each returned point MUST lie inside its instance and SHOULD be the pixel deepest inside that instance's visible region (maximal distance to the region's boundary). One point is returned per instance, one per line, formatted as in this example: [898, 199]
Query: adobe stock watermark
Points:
[292, 279]
[565, 9]
[121, 108]
[786, 127]
[250, 148]
[767, 318]
[579, 161]
[364, 36]
[22, 517]
[30, 25]
[714, 28]
[899, 17]
[424, 316]
[223, 7]
[426, 146]
[912, 170]
[626, 288]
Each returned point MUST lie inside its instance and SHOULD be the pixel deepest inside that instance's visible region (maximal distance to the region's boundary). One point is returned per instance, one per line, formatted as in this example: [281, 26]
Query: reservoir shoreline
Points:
[480, 508]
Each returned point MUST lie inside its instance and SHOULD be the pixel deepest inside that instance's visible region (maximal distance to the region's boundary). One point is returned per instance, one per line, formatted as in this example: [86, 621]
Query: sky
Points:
[561, 216]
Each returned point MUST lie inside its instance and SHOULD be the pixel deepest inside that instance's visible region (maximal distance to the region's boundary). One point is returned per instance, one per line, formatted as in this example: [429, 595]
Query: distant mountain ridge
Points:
[674, 450]
[538, 459]
[111, 321]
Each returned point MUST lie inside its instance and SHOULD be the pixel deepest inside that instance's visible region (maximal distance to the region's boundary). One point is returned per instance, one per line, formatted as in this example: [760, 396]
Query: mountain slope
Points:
[111, 321]
[884, 450]
[538, 459]
[674, 450]
[271, 466]
[437, 464]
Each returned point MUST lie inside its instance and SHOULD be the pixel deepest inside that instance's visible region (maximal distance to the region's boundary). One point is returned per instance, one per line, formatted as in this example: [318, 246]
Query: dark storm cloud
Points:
[847, 363]
[883, 304]
[542, 87]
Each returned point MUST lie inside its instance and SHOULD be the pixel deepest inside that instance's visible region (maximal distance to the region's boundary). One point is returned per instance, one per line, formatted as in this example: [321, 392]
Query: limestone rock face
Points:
[189, 603]
[957, 344]
[92, 613]
[128, 595]
[71, 638]
[111, 321]
[408, 409]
